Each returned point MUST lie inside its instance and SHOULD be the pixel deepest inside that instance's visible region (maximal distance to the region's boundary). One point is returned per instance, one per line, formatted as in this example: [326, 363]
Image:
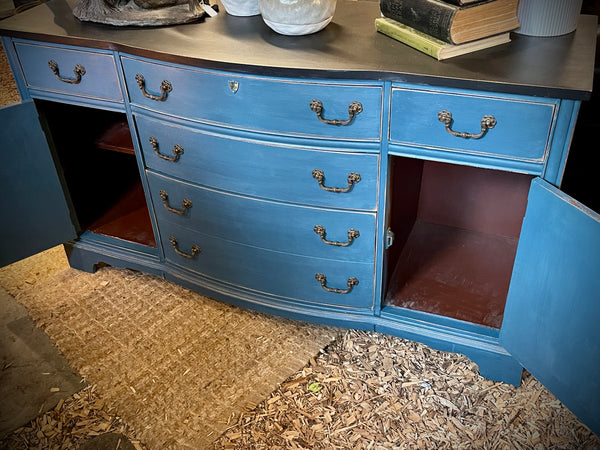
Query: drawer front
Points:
[281, 274]
[268, 105]
[286, 228]
[75, 72]
[521, 132]
[258, 169]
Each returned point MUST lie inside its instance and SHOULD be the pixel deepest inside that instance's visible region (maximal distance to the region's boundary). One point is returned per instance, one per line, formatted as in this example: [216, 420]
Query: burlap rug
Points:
[176, 366]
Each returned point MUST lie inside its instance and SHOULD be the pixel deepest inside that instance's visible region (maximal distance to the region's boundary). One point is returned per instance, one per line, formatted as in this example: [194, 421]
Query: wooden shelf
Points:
[117, 138]
[454, 273]
[127, 219]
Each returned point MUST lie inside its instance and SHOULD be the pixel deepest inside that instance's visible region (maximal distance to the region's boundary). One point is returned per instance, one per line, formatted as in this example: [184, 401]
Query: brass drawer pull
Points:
[323, 280]
[177, 150]
[79, 71]
[165, 88]
[185, 204]
[319, 175]
[352, 234]
[195, 249]
[354, 108]
[487, 123]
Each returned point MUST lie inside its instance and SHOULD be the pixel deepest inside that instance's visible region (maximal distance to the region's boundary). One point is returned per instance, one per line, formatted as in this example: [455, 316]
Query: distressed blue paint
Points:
[271, 225]
[91, 252]
[360, 319]
[552, 315]
[253, 168]
[99, 81]
[488, 162]
[275, 273]
[561, 141]
[521, 134]
[35, 215]
[274, 105]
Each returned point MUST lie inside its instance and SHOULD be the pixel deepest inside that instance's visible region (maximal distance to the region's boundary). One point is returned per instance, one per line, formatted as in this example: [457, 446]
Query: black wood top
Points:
[349, 47]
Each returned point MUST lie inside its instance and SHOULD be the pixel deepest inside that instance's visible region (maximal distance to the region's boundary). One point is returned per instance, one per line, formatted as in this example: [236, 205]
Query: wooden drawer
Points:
[270, 105]
[96, 75]
[258, 169]
[521, 132]
[282, 274]
[271, 225]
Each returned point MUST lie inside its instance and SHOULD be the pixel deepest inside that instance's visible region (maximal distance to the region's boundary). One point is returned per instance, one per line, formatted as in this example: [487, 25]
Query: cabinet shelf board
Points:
[117, 138]
[454, 272]
[127, 219]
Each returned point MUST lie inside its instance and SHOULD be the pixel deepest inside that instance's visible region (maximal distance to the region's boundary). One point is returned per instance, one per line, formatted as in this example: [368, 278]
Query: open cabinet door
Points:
[552, 316]
[35, 215]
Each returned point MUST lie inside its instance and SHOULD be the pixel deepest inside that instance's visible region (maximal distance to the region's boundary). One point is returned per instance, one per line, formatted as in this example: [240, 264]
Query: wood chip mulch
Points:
[72, 422]
[365, 391]
[372, 391]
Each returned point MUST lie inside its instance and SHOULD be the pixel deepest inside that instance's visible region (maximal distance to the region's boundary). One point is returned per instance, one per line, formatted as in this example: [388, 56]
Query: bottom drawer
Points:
[291, 276]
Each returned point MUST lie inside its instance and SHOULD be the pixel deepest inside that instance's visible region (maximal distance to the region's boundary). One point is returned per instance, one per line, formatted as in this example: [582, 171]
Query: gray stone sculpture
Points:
[139, 12]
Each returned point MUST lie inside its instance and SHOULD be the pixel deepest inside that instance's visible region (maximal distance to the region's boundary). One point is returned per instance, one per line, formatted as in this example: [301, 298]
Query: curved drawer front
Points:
[261, 170]
[75, 72]
[275, 273]
[270, 225]
[521, 132]
[270, 105]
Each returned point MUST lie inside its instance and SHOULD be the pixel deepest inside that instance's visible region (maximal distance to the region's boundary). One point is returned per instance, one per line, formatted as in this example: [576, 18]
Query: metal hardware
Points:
[177, 150]
[185, 204]
[352, 234]
[354, 108]
[165, 88]
[323, 280]
[487, 123]
[234, 86]
[79, 71]
[319, 175]
[389, 238]
[194, 252]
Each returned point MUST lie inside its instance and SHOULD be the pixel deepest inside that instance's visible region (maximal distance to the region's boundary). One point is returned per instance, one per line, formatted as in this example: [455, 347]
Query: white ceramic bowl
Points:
[297, 17]
[241, 7]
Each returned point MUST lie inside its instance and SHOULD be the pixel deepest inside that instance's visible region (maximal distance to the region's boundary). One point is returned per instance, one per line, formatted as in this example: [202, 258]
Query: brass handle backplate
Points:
[195, 249]
[185, 204]
[321, 278]
[487, 123]
[177, 150]
[165, 88]
[352, 234]
[319, 175]
[354, 108]
[79, 72]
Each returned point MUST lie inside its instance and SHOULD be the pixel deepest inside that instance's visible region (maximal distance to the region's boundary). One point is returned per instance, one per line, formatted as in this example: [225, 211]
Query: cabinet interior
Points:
[456, 234]
[95, 155]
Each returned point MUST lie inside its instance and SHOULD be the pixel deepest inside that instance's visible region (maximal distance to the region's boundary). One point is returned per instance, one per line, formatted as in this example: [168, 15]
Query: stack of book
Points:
[446, 28]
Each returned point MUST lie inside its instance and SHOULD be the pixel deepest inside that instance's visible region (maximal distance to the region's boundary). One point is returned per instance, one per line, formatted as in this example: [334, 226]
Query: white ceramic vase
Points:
[241, 7]
[297, 17]
[548, 17]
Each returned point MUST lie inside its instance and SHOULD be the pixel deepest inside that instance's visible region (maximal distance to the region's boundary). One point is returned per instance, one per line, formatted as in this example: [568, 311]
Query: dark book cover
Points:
[433, 17]
[429, 16]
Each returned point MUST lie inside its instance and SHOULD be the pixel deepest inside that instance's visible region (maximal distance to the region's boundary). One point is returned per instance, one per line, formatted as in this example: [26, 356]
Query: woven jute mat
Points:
[177, 367]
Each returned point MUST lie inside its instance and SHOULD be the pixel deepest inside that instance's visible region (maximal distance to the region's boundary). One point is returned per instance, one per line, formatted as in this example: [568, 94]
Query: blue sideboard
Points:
[365, 186]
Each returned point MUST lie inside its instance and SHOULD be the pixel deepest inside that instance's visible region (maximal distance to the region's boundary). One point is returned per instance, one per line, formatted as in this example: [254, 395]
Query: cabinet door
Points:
[35, 215]
[552, 316]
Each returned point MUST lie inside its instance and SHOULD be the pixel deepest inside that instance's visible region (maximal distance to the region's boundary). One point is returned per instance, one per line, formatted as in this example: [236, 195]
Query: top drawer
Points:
[521, 127]
[279, 106]
[75, 72]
